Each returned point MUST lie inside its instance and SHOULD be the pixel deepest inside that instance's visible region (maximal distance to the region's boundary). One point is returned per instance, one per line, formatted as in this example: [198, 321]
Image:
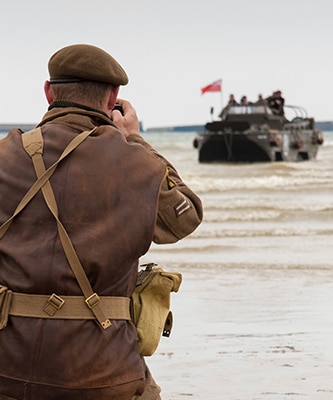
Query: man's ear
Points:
[48, 92]
[113, 97]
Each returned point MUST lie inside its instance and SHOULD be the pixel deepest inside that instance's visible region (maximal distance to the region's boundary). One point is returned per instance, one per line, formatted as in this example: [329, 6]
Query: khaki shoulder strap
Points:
[33, 144]
[46, 175]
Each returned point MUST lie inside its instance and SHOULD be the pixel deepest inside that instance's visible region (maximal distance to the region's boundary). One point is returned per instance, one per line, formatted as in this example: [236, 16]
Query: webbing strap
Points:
[42, 179]
[66, 307]
[33, 144]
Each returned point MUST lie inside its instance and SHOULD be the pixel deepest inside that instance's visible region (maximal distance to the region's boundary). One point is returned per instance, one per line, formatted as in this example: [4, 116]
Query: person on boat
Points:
[114, 194]
[261, 100]
[276, 103]
[244, 101]
[231, 102]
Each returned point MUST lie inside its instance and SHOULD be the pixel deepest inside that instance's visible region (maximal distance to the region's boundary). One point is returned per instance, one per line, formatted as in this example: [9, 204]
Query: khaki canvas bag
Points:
[150, 308]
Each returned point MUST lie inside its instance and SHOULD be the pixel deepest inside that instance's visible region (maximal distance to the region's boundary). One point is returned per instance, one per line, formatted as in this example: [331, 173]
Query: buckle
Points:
[53, 304]
[92, 300]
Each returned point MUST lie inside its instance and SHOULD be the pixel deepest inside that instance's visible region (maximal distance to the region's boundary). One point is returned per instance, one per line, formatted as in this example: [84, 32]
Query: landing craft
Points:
[252, 133]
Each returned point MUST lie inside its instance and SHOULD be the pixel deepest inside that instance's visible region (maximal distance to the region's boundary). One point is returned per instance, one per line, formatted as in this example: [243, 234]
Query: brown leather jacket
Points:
[113, 199]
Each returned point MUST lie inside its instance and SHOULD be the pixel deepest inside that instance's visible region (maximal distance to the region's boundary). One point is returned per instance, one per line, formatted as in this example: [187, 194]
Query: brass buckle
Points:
[56, 301]
[53, 304]
[92, 300]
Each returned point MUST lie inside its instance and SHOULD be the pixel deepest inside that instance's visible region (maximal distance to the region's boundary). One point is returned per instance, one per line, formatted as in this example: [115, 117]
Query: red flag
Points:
[213, 87]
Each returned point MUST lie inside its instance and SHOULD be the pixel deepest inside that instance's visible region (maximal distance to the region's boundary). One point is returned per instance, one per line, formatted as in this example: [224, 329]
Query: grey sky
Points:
[172, 48]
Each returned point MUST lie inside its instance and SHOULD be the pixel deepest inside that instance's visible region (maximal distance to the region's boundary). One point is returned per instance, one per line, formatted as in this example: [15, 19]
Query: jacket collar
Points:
[78, 116]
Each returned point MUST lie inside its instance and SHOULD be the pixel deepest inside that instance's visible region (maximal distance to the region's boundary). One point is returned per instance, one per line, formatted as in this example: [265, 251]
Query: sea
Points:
[253, 319]
[272, 214]
[254, 316]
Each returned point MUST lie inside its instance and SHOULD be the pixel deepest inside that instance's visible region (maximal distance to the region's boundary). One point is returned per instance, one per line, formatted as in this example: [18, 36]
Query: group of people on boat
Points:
[275, 102]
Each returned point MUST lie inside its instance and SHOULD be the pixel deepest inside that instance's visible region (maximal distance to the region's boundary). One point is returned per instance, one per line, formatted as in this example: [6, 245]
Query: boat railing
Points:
[248, 112]
[299, 112]
[238, 109]
[248, 109]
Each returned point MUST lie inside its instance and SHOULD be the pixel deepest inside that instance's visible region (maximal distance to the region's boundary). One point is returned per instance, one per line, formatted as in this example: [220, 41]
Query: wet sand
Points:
[258, 333]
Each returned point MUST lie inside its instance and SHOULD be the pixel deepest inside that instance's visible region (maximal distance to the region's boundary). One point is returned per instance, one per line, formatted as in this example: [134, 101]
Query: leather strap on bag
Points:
[33, 144]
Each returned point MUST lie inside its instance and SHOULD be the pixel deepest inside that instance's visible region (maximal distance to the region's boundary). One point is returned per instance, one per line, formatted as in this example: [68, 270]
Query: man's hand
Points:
[127, 123]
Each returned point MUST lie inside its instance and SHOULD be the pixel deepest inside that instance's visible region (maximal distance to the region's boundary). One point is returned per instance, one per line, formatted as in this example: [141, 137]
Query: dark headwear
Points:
[83, 62]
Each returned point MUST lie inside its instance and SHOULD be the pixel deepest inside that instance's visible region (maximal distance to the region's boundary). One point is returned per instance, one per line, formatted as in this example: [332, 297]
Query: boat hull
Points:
[256, 147]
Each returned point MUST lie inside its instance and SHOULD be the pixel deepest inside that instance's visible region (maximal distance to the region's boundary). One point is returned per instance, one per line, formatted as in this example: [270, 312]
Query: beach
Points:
[253, 319]
[249, 334]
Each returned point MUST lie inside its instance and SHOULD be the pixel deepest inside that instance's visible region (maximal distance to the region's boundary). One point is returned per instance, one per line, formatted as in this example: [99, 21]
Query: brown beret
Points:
[82, 62]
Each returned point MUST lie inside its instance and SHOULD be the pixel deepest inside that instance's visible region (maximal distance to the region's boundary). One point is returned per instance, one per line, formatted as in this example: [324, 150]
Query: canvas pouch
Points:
[150, 306]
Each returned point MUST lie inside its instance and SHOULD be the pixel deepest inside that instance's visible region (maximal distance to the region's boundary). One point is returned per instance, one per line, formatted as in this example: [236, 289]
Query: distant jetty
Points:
[324, 125]
[24, 127]
[184, 128]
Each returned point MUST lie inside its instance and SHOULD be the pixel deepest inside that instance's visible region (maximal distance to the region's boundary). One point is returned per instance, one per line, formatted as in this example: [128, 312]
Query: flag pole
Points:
[221, 95]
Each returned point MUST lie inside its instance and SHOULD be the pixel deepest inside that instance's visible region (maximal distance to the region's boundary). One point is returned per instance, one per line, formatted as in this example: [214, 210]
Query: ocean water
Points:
[253, 319]
[272, 214]
[254, 316]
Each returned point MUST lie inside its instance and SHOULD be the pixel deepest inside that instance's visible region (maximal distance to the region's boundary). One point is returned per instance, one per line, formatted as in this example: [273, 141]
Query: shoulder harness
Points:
[88, 306]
